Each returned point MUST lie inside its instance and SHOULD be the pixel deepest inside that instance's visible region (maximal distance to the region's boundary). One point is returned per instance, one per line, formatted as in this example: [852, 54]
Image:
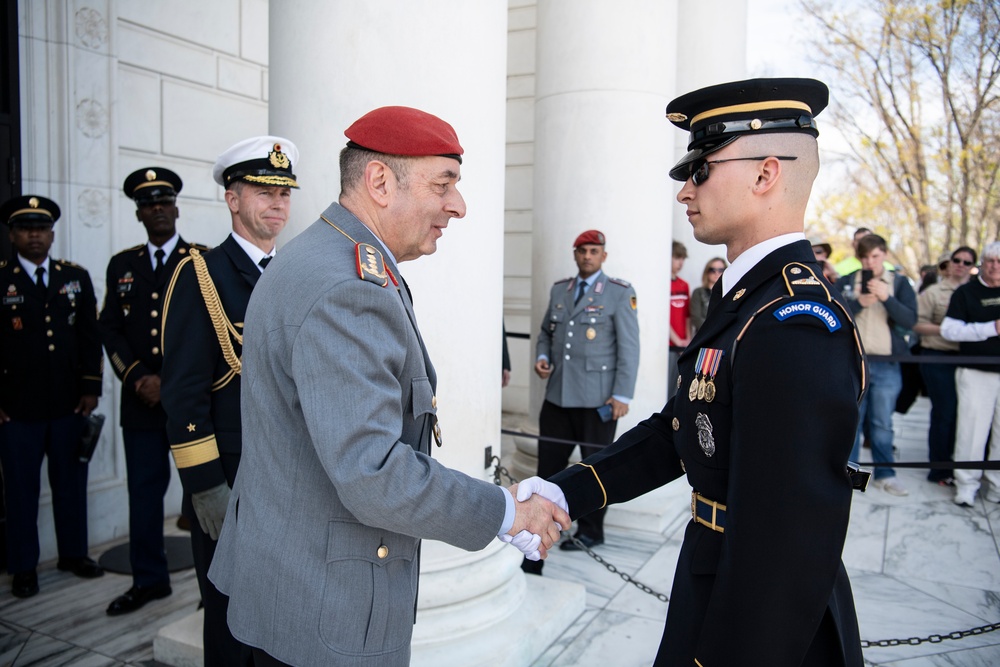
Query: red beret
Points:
[591, 236]
[404, 131]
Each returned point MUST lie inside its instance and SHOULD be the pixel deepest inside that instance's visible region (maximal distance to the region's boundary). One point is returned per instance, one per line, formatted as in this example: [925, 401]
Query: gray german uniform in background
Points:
[593, 346]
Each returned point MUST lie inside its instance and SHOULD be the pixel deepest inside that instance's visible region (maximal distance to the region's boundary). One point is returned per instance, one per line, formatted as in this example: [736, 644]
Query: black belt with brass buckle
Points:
[708, 513]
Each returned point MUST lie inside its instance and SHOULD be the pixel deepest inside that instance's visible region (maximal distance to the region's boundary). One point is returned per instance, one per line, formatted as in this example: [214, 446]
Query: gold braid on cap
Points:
[224, 329]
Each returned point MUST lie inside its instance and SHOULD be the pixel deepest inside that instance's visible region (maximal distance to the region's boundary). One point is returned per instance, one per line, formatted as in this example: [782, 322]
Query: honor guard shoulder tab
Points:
[619, 281]
[371, 264]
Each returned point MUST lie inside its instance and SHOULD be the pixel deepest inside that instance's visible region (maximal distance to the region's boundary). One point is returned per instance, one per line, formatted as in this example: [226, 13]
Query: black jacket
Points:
[50, 347]
[199, 389]
[131, 324]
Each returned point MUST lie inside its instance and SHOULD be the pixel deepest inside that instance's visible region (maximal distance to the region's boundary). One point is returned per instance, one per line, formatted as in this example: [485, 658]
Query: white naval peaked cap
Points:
[265, 160]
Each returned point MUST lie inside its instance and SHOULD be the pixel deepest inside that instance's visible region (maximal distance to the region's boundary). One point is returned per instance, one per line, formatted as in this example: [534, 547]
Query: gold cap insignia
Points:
[676, 117]
[150, 175]
[33, 202]
[277, 158]
[756, 124]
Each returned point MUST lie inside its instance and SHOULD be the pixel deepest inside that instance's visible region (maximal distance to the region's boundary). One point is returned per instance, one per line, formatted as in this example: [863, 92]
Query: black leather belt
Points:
[708, 513]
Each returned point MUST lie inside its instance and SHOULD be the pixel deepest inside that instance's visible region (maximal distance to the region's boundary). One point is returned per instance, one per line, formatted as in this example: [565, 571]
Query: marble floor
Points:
[920, 565]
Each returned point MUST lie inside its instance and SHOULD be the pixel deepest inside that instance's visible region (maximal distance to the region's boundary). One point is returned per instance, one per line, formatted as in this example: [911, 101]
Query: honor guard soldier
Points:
[203, 316]
[51, 362]
[588, 350]
[759, 578]
[131, 322]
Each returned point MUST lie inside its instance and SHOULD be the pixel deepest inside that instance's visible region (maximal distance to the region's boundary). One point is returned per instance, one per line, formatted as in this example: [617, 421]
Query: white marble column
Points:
[703, 63]
[605, 72]
[329, 64]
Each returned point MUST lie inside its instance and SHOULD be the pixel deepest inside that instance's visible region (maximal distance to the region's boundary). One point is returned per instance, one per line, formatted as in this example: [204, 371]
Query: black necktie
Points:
[264, 261]
[581, 288]
[40, 280]
[158, 271]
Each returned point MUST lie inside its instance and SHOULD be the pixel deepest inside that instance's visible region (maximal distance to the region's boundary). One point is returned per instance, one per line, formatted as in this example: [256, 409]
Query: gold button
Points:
[156, 350]
[434, 402]
[154, 314]
[676, 424]
[156, 295]
[52, 348]
[49, 333]
[48, 318]
[153, 332]
[383, 551]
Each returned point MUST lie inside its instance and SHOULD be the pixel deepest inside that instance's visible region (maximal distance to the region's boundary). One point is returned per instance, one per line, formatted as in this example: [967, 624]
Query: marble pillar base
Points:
[180, 643]
[548, 608]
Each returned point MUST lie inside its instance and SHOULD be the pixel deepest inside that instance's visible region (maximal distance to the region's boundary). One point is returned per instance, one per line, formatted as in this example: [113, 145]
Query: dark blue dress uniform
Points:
[202, 345]
[131, 322]
[50, 356]
[762, 425]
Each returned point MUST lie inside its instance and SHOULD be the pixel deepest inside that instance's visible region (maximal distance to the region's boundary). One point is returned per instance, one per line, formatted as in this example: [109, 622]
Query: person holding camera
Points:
[588, 350]
[884, 307]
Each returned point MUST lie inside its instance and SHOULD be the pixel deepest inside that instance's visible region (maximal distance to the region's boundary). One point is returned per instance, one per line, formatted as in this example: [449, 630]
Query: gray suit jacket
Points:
[593, 345]
[318, 552]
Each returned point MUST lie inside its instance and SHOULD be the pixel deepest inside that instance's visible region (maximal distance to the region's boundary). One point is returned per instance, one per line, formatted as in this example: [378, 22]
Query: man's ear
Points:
[379, 181]
[232, 201]
[768, 174]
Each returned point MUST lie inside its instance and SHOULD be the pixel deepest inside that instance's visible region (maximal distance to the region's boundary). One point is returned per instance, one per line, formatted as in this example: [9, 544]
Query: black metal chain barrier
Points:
[499, 470]
[932, 639]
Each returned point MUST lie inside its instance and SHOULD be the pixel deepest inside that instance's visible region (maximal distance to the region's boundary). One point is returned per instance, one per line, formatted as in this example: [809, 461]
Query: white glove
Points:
[525, 542]
[210, 508]
[546, 490]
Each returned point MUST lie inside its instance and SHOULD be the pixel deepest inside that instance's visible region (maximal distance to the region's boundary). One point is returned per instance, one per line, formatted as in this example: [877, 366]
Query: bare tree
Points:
[915, 92]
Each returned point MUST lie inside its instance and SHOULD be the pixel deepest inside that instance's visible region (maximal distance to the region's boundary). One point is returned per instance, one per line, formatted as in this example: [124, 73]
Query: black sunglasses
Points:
[963, 262]
[699, 168]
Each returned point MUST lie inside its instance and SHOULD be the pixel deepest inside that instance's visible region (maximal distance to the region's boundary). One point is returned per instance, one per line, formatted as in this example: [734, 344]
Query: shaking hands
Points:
[541, 513]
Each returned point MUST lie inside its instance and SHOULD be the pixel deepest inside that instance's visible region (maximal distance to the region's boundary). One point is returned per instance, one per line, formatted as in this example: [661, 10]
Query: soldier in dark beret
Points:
[51, 364]
[131, 321]
[759, 578]
[203, 318]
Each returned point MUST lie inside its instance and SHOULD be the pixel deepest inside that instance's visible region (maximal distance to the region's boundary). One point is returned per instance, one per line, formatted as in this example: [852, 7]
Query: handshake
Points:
[541, 512]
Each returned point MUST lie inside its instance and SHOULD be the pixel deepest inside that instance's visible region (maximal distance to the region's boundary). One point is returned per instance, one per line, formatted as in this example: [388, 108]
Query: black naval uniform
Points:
[769, 442]
[50, 356]
[131, 323]
[200, 392]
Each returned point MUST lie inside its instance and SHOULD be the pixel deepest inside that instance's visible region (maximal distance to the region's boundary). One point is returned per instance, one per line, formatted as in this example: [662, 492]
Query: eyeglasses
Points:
[699, 168]
[963, 262]
[713, 269]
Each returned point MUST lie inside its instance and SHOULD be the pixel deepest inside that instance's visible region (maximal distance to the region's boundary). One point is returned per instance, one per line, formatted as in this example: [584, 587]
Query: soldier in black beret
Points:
[51, 363]
[131, 321]
[759, 578]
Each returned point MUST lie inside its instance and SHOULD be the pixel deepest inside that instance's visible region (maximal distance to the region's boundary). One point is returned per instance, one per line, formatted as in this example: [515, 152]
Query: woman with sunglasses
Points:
[701, 295]
[932, 305]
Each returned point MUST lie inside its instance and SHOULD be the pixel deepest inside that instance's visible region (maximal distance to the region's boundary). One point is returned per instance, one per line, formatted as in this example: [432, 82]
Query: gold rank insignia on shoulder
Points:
[808, 280]
[739, 294]
[371, 264]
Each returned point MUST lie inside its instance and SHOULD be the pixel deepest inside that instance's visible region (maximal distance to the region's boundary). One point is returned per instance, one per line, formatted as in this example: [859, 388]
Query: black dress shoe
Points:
[586, 540]
[25, 584]
[81, 567]
[136, 597]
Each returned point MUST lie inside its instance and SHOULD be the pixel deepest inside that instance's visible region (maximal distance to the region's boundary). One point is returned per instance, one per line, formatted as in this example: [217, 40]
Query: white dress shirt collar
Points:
[253, 252]
[167, 248]
[751, 256]
[29, 268]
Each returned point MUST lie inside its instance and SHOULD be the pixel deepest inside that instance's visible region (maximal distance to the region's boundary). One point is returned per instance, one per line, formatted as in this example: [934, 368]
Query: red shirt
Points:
[680, 308]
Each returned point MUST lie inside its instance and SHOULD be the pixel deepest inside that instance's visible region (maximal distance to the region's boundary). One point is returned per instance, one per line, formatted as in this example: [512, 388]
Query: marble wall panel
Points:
[138, 109]
[254, 30]
[165, 54]
[240, 77]
[518, 188]
[212, 24]
[521, 52]
[517, 255]
[189, 131]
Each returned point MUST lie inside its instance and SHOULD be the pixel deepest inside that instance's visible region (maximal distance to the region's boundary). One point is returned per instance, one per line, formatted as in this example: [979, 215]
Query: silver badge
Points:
[705, 438]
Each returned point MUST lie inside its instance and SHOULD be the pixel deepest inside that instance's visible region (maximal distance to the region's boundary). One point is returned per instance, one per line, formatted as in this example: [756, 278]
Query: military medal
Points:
[705, 369]
[710, 391]
[701, 389]
[591, 333]
[693, 390]
[706, 439]
[714, 359]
